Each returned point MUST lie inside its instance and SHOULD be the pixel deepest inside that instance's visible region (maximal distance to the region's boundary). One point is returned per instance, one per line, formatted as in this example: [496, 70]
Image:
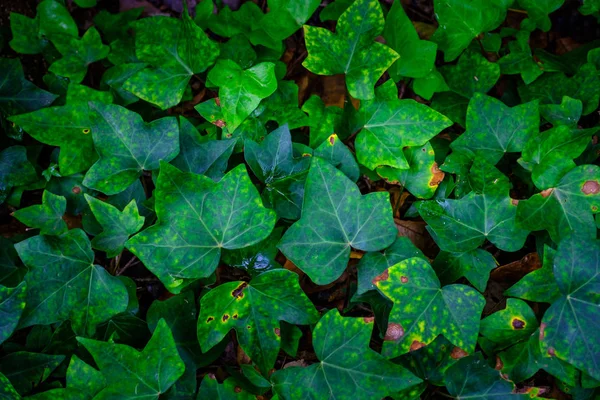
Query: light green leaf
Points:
[196, 219]
[538, 10]
[336, 153]
[352, 49]
[323, 121]
[423, 309]
[505, 327]
[521, 60]
[336, 218]
[566, 113]
[8, 390]
[47, 217]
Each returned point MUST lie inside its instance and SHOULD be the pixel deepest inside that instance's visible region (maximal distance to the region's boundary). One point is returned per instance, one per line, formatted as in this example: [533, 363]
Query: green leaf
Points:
[240, 91]
[494, 129]
[348, 367]
[336, 153]
[26, 38]
[131, 374]
[127, 146]
[590, 7]
[417, 57]
[462, 225]
[452, 105]
[472, 74]
[334, 10]
[538, 10]
[254, 310]
[569, 327]
[77, 54]
[257, 258]
[115, 26]
[11, 270]
[539, 285]
[282, 107]
[423, 176]
[505, 327]
[12, 304]
[460, 22]
[471, 377]
[26, 370]
[388, 125]
[323, 121]
[79, 291]
[55, 19]
[521, 60]
[17, 94]
[423, 309]
[352, 49]
[15, 170]
[116, 76]
[117, 225]
[47, 217]
[273, 164]
[374, 264]
[336, 218]
[8, 390]
[197, 218]
[568, 207]
[475, 265]
[566, 113]
[175, 50]
[211, 389]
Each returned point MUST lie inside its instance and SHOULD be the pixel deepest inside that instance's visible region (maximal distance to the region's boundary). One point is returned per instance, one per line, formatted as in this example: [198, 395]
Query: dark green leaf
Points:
[27, 370]
[12, 304]
[47, 217]
[475, 265]
[472, 74]
[15, 170]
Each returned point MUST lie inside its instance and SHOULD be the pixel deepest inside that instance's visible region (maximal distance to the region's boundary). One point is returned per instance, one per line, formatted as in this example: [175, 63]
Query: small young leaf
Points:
[505, 327]
[47, 217]
[472, 74]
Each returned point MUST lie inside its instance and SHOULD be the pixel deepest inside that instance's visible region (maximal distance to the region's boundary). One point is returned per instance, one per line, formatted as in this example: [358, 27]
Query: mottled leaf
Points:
[47, 217]
[472, 74]
[475, 265]
[12, 304]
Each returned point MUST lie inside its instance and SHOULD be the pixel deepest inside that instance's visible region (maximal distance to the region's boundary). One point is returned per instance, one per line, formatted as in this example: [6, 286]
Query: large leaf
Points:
[568, 207]
[423, 309]
[348, 368]
[26, 370]
[569, 328]
[12, 304]
[494, 129]
[388, 125]
[352, 49]
[127, 146]
[131, 374]
[336, 218]
[197, 218]
[63, 283]
[255, 310]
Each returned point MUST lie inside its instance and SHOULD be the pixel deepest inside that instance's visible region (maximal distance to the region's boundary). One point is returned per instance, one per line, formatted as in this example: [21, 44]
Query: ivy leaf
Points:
[323, 121]
[282, 107]
[273, 164]
[17, 94]
[27, 370]
[114, 78]
[77, 54]
[388, 125]
[417, 57]
[461, 225]
[197, 218]
[240, 91]
[505, 327]
[520, 59]
[79, 291]
[569, 327]
[12, 304]
[539, 285]
[15, 170]
[374, 264]
[475, 265]
[336, 218]
[589, 7]
[566, 113]
[211, 389]
[494, 129]
[460, 22]
[423, 309]
[348, 367]
[9, 391]
[47, 217]
[117, 225]
[175, 50]
[472, 74]
[127, 146]
[334, 151]
[568, 207]
[258, 258]
[131, 374]
[538, 10]
[352, 49]
[115, 26]
[11, 270]
[471, 377]
[423, 176]
[255, 310]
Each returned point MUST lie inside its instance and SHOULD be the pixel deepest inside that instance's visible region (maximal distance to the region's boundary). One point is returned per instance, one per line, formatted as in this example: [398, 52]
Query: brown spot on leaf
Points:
[238, 292]
[306, 155]
[416, 345]
[381, 277]
[218, 101]
[547, 192]
[209, 320]
[332, 139]
[499, 364]
[551, 351]
[403, 279]
[234, 316]
[76, 189]
[514, 202]
[438, 175]
[248, 327]
[237, 389]
[518, 324]
[543, 326]
[86, 131]
[225, 317]
[368, 320]
[277, 332]
[220, 123]
[591, 187]
[394, 332]
[458, 353]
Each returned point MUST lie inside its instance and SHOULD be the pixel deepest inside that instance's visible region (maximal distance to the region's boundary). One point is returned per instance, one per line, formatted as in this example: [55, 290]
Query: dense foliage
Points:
[296, 200]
